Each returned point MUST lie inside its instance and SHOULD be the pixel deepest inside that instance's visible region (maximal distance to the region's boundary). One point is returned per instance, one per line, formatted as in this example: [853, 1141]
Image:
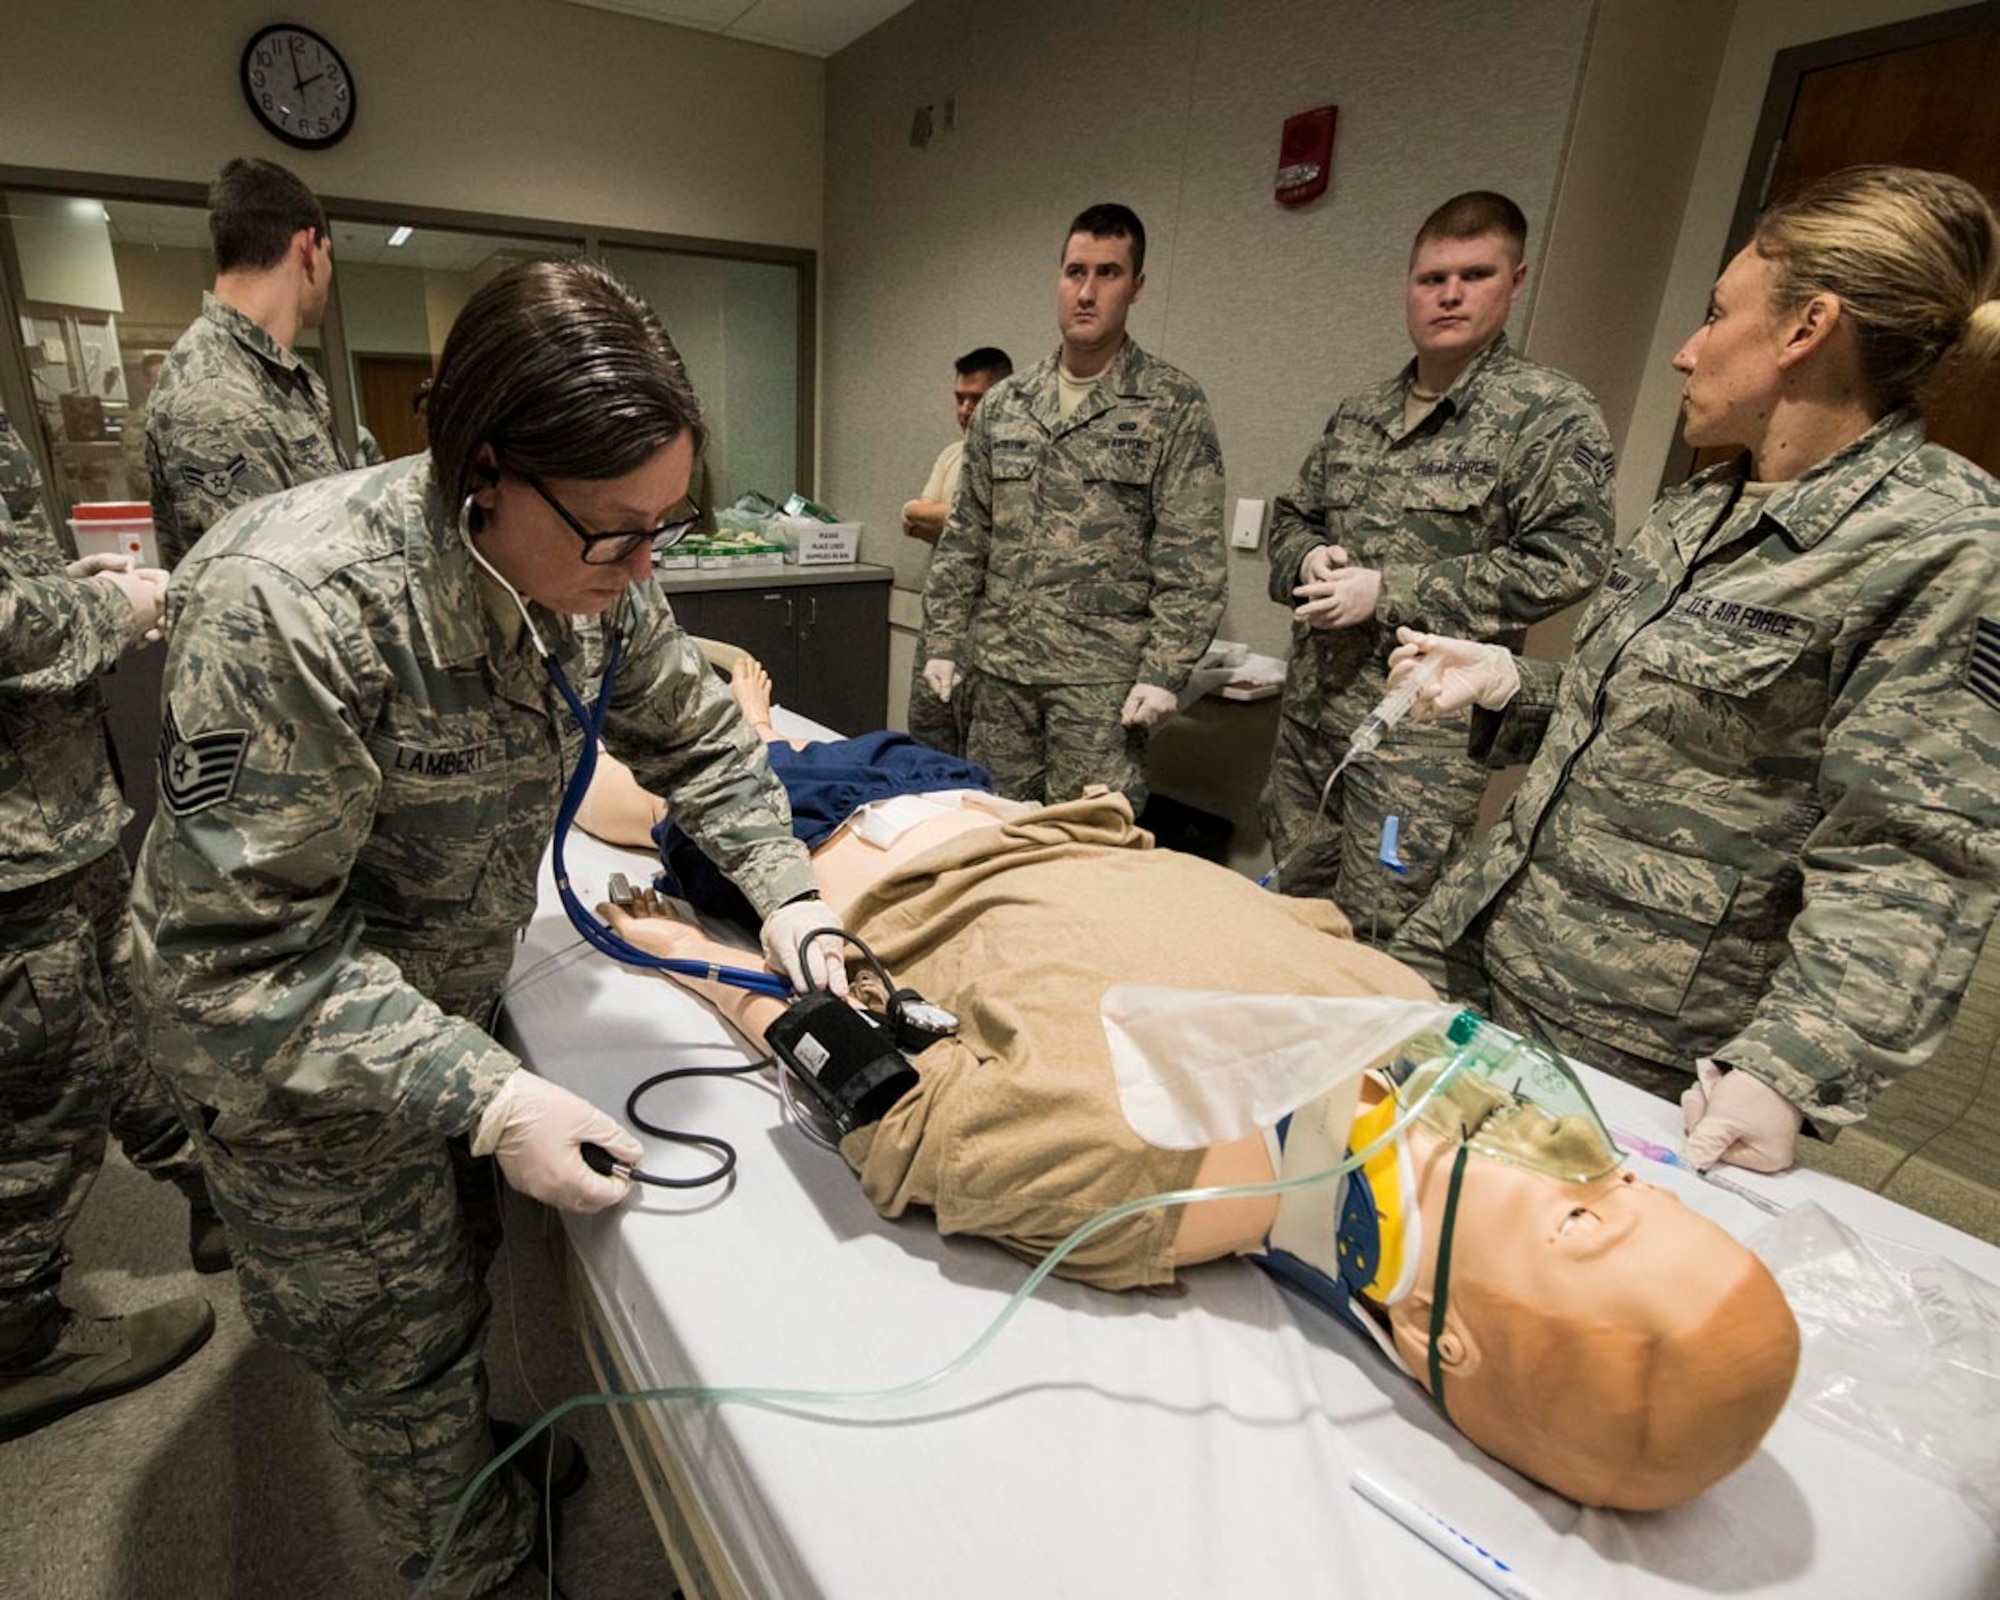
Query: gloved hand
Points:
[1341, 600]
[91, 566]
[146, 591]
[1321, 562]
[1148, 705]
[1734, 1119]
[537, 1130]
[825, 959]
[1472, 674]
[942, 676]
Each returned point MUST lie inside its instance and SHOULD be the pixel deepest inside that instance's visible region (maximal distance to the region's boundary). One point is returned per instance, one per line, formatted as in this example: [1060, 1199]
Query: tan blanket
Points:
[1015, 1132]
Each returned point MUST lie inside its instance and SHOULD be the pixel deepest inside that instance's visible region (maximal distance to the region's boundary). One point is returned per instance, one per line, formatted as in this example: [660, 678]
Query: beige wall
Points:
[525, 108]
[1760, 30]
[1175, 107]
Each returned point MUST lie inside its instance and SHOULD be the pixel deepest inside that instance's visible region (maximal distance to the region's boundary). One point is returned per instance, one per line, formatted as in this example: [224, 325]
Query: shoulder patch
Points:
[216, 481]
[1982, 665]
[200, 772]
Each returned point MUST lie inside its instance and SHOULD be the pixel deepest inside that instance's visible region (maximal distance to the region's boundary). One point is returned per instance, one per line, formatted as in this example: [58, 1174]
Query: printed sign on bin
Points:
[816, 543]
[115, 528]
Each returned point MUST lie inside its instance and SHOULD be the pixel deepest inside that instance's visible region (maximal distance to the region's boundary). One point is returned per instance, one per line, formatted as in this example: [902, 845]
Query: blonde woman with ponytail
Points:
[1757, 852]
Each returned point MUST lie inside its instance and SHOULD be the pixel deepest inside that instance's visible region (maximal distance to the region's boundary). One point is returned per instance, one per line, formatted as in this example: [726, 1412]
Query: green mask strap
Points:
[1442, 1291]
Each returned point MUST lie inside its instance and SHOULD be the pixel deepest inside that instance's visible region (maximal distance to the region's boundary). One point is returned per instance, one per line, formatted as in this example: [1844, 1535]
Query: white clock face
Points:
[298, 84]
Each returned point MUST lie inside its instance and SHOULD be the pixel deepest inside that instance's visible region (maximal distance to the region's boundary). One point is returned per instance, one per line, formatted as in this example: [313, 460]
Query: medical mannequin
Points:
[1597, 1336]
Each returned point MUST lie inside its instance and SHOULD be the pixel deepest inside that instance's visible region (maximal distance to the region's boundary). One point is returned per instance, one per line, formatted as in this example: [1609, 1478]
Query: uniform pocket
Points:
[1877, 951]
[1449, 493]
[1724, 661]
[1122, 460]
[1640, 915]
[52, 1005]
[437, 809]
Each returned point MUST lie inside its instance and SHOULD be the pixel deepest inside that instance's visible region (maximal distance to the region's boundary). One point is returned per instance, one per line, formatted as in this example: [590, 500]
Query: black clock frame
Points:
[257, 111]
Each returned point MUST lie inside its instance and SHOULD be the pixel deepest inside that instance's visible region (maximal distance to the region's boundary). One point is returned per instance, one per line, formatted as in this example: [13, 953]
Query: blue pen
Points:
[1460, 1548]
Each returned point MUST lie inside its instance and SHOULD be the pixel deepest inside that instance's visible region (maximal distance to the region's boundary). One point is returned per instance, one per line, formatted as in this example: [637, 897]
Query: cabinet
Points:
[824, 642]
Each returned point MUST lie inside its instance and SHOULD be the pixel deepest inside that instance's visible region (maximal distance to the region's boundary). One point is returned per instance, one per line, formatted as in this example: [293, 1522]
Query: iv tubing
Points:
[781, 1398]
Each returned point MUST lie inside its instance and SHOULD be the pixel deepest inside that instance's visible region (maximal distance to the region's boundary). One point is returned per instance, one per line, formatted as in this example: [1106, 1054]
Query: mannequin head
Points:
[1598, 1336]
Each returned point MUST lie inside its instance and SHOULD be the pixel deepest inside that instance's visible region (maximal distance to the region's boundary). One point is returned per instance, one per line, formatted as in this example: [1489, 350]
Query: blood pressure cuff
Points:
[846, 1060]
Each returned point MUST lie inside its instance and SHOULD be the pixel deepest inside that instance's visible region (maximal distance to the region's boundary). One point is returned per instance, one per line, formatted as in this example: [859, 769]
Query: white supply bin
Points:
[115, 528]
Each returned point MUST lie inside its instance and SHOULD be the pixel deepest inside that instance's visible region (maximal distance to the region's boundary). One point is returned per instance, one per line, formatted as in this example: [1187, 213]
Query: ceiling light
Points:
[401, 235]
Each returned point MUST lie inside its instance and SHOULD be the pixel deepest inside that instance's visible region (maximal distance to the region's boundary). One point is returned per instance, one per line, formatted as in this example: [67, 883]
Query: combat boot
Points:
[208, 1240]
[95, 1358]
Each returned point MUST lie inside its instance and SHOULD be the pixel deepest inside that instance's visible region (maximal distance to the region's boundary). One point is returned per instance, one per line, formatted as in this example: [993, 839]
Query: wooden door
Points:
[1928, 101]
[389, 389]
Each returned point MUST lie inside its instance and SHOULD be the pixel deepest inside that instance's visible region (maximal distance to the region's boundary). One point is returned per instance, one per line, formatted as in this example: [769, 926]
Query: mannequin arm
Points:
[749, 1014]
[619, 809]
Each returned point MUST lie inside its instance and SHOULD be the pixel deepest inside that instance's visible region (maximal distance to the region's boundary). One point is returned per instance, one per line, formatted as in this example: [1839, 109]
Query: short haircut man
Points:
[988, 361]
[1467, 495]
[236, 414]
[254, 210]
[1476, 212]
[1081, 573]
[930, 719]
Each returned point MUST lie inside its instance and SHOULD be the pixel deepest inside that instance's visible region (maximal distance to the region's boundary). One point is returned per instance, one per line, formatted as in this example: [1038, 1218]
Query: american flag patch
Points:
[1982, 666]
[200, 772]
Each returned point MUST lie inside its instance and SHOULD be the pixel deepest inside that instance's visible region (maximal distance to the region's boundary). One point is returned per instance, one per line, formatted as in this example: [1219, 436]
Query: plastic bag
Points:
[1901, 1349]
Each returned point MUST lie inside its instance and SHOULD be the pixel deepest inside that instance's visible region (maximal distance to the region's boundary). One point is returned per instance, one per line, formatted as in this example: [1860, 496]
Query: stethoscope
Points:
[590, 721]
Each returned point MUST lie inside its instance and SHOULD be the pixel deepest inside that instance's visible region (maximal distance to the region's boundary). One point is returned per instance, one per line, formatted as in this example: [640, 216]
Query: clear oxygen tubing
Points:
[591, 724]
[788, 1399]
[1389, 710]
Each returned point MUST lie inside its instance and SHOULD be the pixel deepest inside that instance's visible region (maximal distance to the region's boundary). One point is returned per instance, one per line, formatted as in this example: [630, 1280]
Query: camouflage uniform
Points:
[1080, 558]
[1763, 824]
[1491, 513]
[69, 1065]
[235, 415]
[359, 774]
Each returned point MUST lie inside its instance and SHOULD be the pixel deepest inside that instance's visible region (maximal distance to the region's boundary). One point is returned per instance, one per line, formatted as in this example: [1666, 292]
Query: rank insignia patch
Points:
[200, 772]
[216, 481]
[1982, 666]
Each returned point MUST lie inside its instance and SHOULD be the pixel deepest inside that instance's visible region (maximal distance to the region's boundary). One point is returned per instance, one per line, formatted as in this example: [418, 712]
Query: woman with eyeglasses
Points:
[363, 754]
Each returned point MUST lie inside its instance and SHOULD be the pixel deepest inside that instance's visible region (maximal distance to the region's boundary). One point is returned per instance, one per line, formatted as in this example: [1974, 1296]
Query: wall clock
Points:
[298, 86]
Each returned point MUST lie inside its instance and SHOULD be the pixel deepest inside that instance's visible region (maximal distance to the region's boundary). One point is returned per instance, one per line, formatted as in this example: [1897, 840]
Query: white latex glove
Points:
[146, 591]
[942, 676]
[91, 566]
[1734, 1119]
[1148, 705]
[1321, 562]
[1344, 599]
[1472, 674]
[537, 1130]
[825, 959]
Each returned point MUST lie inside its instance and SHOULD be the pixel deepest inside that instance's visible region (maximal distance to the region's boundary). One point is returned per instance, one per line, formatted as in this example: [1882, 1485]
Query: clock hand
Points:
[304, 81]
[294, 45]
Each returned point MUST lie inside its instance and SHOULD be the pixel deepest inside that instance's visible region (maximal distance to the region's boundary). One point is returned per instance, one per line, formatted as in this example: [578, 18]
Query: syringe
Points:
[1389, 710]
[1392, 708]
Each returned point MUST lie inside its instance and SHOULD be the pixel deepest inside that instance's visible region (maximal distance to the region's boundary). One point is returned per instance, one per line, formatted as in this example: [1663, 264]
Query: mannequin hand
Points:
[825, 959]
[536, 1129]
[942, 676]
[1733, 1119]
[1147, 706]
[1345, 598]
[1472, 675]
[90, 566]
[146, 591]
[1321, 562]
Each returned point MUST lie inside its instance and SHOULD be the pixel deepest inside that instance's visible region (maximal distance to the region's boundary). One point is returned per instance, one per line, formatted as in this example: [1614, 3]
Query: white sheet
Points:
[1194, 1445]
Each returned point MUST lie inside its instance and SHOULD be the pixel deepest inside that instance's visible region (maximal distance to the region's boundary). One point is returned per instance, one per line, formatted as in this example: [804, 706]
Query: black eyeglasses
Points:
[608, 549]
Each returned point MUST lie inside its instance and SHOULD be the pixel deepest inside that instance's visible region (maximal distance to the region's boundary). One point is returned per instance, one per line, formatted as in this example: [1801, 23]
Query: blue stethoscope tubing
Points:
[594, 932]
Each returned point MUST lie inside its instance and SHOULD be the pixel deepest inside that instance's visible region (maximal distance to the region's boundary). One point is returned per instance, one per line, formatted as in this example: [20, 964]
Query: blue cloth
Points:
[827, 783]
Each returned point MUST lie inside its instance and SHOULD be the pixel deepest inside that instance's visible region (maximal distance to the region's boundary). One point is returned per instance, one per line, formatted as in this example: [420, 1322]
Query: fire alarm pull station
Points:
[1305, 156]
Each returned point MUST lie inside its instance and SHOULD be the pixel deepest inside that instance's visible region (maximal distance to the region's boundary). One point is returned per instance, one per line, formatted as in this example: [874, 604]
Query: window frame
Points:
[16, 390]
